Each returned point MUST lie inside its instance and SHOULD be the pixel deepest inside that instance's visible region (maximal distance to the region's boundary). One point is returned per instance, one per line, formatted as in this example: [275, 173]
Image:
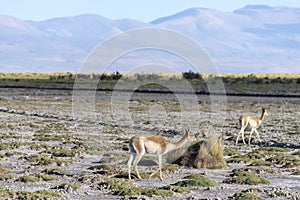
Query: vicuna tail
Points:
[240, 122]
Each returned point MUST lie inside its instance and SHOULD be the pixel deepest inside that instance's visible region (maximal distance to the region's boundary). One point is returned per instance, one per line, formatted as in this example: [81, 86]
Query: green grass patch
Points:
[285, 160]
[297, 153]
[175, 188]
[105, 169]
[69, 186]
[196, 180]
[43, 159]
[273, 149]
[231, 152]
[240, 177]
[267, 156]
[62, 152]
[100, 167]
[39, 146]
[43, 134]
[296, 173]
[5, 177]
[239, 159]
[56, 171]
[46, 177]
[14, 153]
[170, 168]
[124, 188]
[29, 178]
[261, 163]
[294, 132]
[42, 194]
[10, 145]
[246, 158]
[36, 178]
[246, 196]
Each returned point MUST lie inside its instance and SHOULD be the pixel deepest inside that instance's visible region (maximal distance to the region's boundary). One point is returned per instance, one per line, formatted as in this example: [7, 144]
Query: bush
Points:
[204, 154]
[192, 75]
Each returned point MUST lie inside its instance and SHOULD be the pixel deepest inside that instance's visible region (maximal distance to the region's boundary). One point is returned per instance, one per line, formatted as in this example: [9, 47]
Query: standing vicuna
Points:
[154, 144]
[253, 122]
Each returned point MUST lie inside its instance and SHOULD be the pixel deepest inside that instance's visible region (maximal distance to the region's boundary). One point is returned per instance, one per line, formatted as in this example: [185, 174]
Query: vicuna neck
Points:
[262, 117]
[180, 143]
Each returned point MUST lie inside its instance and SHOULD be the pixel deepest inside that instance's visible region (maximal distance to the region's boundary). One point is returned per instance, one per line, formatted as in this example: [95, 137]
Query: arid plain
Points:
[47, 153]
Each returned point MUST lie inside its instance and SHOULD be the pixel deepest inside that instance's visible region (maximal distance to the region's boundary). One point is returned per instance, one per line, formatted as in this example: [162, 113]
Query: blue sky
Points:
[144, 10]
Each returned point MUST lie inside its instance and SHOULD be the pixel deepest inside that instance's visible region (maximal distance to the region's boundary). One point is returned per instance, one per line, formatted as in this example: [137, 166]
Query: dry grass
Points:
[210, 154]
[207, 153]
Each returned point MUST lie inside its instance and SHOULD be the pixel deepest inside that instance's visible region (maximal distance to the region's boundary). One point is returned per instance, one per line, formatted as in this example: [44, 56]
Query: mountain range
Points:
[252, 39]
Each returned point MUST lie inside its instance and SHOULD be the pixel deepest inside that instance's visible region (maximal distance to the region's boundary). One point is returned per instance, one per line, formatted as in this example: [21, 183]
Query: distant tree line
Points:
[233, 83]
[189, 75]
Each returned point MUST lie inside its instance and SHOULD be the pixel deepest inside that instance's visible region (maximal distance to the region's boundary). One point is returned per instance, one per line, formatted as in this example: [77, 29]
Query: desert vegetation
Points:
[245, 84]
[46, 153]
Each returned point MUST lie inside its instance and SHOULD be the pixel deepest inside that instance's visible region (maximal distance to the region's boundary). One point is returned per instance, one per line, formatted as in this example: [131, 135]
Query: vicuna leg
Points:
[129, 163]
[252, 130]
[257, 135]
[159, 168]
[136, 161]
[243, 135]
[238, 136]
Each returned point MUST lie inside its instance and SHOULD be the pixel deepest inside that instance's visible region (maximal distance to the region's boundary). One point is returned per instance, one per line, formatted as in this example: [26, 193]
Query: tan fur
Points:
[158, 141]
[146, 143]
[253, 122]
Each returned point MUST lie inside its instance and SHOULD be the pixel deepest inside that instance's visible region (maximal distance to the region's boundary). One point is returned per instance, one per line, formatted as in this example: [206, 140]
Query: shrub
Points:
[192, 75]
[207, 153]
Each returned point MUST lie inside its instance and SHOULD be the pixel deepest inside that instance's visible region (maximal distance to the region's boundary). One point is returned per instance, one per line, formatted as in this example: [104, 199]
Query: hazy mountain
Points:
[253, 39]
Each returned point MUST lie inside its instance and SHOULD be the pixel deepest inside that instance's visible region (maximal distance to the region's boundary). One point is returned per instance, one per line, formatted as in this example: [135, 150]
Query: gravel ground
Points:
[42, 121]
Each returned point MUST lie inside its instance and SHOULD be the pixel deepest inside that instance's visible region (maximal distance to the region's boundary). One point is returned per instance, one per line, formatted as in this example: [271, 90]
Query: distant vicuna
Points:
[253, 122]
[154, 144]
